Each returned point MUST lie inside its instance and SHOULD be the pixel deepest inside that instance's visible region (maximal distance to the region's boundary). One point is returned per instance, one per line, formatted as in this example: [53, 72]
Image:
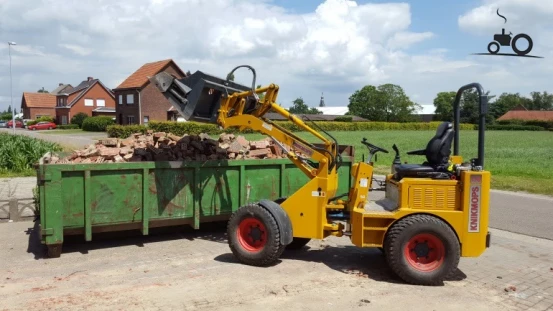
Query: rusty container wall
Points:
[89, 198]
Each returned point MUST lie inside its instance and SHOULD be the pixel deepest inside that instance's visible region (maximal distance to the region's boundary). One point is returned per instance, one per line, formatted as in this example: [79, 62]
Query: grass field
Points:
[519, 161]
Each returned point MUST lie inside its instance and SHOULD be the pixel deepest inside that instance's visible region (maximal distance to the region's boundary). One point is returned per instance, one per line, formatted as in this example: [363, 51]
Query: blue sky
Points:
[307, 47]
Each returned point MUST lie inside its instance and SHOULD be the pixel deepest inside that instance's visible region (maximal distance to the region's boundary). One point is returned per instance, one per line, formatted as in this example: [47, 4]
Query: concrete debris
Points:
[161, 146]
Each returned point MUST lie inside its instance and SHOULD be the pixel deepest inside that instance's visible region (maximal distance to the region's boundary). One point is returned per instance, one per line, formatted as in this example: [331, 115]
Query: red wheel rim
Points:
[252, 234]
[425, 252]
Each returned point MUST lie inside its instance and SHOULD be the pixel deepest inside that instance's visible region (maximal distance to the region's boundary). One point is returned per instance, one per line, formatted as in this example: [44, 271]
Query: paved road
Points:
[522, 213]
[70, 140]
[184, 270]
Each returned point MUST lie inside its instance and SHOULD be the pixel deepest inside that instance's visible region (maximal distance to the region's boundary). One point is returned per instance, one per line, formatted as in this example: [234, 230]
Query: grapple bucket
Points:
[196, 97]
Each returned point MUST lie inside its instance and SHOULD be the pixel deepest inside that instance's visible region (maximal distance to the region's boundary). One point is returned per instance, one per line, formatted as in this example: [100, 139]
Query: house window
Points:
[146, 119]
[130, 119]
[130, 99]
[101, 102]
[89, 102]
[63, 120]
[120, 99]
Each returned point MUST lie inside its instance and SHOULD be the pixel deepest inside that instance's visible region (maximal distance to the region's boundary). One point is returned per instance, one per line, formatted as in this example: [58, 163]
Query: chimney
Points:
[89, 79]
[60, 84]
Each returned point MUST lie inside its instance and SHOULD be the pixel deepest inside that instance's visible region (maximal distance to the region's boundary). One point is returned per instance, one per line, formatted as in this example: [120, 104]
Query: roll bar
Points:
[483, 110]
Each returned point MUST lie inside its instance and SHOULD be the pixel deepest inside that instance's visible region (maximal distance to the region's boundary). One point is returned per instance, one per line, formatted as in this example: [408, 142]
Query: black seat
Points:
[437, 154]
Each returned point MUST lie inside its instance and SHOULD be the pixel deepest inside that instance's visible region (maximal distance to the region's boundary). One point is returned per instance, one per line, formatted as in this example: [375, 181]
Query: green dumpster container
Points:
[91, 198]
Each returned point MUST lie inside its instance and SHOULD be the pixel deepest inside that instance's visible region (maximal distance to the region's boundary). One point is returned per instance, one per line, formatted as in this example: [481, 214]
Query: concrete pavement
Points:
[182, 269]
[70, 140]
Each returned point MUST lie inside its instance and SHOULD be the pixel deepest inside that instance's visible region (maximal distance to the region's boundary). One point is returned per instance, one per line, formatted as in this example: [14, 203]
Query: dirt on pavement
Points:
[180, 269]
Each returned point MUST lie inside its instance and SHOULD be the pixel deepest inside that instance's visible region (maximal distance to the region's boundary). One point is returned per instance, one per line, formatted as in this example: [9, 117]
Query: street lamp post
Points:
[10, 43]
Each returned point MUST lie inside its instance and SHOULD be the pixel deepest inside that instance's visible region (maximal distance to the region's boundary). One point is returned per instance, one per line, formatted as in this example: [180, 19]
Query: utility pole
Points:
[10, 43]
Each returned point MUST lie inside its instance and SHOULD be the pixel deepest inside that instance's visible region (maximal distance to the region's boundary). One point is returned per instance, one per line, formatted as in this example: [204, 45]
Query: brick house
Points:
[90, 96]
[36, 105]
[138, 101]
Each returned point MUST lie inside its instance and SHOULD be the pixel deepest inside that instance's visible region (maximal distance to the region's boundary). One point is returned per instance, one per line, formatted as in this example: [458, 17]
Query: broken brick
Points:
[257, 153]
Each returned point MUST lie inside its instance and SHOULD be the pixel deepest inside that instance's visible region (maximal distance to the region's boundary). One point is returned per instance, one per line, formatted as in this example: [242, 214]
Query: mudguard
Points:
[283, 222]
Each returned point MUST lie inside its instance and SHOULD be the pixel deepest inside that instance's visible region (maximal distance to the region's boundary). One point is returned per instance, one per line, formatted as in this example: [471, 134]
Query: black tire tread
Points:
[273, 252]
[391, 250]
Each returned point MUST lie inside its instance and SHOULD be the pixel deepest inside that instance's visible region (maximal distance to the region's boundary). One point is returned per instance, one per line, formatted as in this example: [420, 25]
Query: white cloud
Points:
[79, 50]
[339, 47]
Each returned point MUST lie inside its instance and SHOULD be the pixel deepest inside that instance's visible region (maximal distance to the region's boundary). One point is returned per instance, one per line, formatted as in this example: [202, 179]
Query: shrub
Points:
[32, 122]
[513, 127]
[97, 124]
[18, 153]
[544, 124]
[343, 119]
[68, 127]
[79, 119]
[124, 131]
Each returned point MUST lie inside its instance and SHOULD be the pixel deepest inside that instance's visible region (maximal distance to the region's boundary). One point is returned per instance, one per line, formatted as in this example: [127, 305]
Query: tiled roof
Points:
[527, 115]
[39, 100]
[83, 85]
[64, 88]
[140, 77]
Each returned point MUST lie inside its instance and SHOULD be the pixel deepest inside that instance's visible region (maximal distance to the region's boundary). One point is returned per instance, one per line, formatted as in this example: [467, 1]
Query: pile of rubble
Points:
[161, 146]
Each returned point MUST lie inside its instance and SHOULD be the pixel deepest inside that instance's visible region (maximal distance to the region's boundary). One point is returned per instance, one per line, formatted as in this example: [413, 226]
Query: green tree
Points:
[470, 103]
[230, 77]
[506, 102]
[444, 106]
[262, 95]
[541, 101]
[79, 119]
[42, 90]
[6, 116]
[387, 102]
[300, 107]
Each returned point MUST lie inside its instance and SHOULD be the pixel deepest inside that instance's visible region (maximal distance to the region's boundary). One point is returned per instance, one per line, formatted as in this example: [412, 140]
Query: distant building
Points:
[520, 112]
[426, 114]
[91, 97]
[337, 111]
[36, 105]
[139, 101]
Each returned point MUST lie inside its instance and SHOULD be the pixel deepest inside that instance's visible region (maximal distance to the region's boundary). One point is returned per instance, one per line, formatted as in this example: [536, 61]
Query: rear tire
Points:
[422, 250]
[254, 236]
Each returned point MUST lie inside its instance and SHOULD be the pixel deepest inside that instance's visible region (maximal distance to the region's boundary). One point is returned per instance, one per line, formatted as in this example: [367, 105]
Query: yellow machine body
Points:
[462, 202]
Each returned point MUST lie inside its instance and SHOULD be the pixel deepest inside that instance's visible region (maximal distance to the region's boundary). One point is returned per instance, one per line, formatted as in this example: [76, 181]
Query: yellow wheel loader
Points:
[432, 214]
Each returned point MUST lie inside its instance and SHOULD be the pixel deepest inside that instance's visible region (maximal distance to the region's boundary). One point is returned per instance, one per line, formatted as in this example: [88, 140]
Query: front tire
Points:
[254, 236]
[422, 250]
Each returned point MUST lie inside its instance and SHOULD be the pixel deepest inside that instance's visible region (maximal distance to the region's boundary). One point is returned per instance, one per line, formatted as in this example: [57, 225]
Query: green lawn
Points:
[517, 160]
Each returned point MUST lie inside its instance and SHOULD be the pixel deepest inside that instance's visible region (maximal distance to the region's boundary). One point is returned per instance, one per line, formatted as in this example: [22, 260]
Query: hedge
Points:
[124, 131]
[181, 128]
[544, 124]
[97, 124]
[68, 127]
[79, 118]
[513, 127]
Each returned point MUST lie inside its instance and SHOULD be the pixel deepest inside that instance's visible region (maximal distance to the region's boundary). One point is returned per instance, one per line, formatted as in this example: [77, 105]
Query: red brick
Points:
[258, 153]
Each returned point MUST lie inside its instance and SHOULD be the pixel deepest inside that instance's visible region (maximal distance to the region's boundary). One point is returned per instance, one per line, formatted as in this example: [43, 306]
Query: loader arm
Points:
[205, 98]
